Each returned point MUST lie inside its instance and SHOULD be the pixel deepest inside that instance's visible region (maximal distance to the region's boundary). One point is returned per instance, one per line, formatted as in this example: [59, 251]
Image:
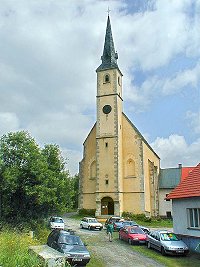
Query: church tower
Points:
[109, 130]
[119, 170]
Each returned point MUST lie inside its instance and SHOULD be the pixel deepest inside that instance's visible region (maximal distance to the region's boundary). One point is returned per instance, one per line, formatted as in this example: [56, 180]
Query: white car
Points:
[56, 223]
[91, 224]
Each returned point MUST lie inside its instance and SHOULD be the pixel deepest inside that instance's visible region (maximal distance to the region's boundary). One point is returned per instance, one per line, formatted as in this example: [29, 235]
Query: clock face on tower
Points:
[107, 109]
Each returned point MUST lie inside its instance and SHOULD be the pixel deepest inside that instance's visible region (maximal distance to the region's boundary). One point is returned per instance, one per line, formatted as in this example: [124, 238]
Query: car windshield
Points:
[129, 223]
[136, 231]
[168, 237]
[57, 220]
[116, 219]
[70, 240]
[92, 220]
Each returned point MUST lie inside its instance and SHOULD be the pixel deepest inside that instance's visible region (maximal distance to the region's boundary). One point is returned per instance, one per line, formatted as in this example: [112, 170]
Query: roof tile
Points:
[189, 187]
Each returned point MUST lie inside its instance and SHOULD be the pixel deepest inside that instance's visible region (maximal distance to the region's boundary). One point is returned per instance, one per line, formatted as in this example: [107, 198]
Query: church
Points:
[119, 170]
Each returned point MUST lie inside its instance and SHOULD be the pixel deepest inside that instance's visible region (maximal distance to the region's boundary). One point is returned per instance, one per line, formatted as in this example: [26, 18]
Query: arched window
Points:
[107, 78]
[130, 167]
[93, 170]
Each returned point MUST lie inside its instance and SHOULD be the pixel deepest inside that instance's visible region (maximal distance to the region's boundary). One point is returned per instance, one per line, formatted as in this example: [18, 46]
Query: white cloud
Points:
[8, 122]
[174, 150]
[194, 121]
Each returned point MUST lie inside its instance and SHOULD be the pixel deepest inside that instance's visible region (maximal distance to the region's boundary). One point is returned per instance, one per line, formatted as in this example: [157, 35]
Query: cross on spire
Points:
[108, 11]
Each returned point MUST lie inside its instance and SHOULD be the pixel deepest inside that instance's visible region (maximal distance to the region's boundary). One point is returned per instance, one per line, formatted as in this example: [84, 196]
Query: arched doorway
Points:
[107, 206]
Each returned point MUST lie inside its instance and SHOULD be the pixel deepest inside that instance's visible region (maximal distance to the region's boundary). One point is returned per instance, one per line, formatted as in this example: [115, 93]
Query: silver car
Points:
[167, 243]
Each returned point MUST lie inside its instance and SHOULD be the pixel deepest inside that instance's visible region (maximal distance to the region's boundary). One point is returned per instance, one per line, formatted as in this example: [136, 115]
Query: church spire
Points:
[109, 58]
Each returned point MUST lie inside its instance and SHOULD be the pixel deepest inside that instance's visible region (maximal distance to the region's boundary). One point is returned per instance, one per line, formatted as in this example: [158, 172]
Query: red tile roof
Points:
[185, 172]
[189, 187]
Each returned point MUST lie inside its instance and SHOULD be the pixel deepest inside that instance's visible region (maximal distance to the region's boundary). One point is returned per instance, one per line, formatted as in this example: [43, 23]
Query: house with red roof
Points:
[186, 208]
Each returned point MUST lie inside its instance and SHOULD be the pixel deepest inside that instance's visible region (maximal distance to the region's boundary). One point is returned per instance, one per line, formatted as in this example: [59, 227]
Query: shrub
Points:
[87, 212]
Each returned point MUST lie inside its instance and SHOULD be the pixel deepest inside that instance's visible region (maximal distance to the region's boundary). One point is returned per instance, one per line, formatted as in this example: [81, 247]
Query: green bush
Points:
[87, 212]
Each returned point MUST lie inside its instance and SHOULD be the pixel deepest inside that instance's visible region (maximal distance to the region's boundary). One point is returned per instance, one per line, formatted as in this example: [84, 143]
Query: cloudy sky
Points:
[50, 49]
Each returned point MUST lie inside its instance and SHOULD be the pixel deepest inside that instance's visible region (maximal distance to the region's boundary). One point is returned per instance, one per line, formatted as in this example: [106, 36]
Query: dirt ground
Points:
[114, 254]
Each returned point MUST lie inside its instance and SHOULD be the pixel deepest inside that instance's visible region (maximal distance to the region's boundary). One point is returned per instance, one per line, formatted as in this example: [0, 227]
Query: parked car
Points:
[91, 224]
[133, 235]
[71, 245]
[124, 223]
[167, 243]
[116, 220]
[56, 223]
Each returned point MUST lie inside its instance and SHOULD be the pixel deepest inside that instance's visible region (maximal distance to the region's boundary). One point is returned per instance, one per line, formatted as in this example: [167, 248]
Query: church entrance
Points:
[107, 206]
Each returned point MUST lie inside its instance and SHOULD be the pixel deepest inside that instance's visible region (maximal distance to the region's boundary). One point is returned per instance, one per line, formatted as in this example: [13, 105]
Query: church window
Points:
[106, 144]
[119, 81]
[106, 181]
[107, 78]
[130, 167]
[93, 170]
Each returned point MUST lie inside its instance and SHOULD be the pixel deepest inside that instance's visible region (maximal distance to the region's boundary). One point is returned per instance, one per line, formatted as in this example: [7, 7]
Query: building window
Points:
[130, 168]
[93, 170]
[193, 218]
[166, 196]
[106, 182]
[106, 144]
[169, 214]
[107, 78]
[119, 82]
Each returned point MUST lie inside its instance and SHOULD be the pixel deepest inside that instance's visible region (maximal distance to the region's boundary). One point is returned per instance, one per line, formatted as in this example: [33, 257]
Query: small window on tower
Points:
[119, 82]
[106, 181]
[106, 144]
[107, 78]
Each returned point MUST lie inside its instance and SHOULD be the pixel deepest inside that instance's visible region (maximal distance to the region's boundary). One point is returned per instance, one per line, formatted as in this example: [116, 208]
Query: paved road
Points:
[114, 254]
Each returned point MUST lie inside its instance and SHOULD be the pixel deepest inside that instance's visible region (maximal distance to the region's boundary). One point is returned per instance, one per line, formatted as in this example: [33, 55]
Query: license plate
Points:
[179, 251]
[77, 259]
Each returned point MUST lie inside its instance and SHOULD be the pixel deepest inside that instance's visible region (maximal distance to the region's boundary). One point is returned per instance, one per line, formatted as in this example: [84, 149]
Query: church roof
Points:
[188, 187]
[109, 57]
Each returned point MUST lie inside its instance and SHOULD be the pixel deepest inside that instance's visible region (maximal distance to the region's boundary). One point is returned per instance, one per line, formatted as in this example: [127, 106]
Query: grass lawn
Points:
[14, 250]
[169, 261]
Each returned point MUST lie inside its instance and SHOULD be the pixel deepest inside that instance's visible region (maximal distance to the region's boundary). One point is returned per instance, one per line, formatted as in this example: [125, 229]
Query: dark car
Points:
[116, 220]
[167, 243]
[133, 235]
[71, 245]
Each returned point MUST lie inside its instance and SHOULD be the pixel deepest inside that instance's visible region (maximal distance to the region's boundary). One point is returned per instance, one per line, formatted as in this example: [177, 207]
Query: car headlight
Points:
[68, 254]
[136, 238]
[86, 256]
[170, 248]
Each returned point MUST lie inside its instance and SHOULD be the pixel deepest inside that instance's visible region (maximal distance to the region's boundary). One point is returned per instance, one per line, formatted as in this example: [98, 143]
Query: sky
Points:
[49, 53]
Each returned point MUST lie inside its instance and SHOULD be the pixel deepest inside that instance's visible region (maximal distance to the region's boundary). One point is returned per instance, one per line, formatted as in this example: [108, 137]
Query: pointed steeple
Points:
[109, 58]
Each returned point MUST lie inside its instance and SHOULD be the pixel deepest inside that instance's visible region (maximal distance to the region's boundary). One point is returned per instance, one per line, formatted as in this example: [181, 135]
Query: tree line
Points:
[34, 181]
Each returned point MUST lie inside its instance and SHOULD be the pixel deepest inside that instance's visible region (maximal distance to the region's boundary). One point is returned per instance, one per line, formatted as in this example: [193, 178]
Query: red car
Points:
[133, 234]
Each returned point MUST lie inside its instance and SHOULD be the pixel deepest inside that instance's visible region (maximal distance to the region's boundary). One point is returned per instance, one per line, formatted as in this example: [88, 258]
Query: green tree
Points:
[34, 181]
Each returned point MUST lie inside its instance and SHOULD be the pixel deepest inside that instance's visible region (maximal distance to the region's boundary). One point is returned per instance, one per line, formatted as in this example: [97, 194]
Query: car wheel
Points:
[149, 245]
[130, 241]
[100, 229]
[89, 227]
[81, 226]
[163, 251]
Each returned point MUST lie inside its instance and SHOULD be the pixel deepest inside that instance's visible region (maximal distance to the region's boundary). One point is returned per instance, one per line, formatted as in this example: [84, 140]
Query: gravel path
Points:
[114, 254]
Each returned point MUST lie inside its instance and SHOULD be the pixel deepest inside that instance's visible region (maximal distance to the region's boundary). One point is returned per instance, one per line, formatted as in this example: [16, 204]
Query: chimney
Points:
[180, 165]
